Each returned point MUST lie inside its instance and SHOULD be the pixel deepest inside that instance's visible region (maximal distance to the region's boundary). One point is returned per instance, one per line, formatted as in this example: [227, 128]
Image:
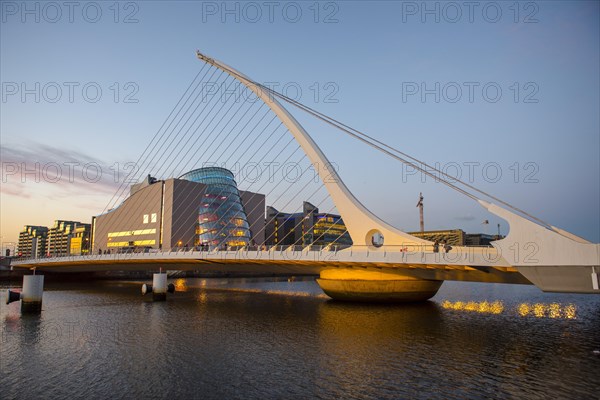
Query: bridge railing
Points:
[297, 250]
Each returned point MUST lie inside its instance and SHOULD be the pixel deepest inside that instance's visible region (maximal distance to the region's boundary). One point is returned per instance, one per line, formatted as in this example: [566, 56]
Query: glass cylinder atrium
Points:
[222, 220]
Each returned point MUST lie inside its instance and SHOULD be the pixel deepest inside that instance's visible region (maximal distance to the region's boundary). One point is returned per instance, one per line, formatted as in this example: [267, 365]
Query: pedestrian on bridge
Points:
[447, 247]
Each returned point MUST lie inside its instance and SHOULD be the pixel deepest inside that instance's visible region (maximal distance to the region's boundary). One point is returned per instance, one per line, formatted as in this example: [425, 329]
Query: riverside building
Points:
[32, 241]
[201, 209]
[305, 228]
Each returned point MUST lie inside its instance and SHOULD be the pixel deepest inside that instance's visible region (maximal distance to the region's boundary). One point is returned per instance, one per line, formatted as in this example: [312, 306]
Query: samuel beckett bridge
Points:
[382, 263]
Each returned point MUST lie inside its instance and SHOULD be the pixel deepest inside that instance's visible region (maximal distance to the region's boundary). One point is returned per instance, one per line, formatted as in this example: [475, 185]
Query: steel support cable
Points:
[221, 192]
[253, 129]
[379, 146]
[362, 139]
[328, 229]
[291, 214]
[257, 139]
[177, 124]
[193, 132]
[296, 195]
[200, 125]
[272, 189]
[241, 130]
[267, 193]
[156, 134]
[201, 135]
[289, 201]
[338, 238]
[230, 130]
[269, 149]
[216, 101]
[218, 146]
[151, 156]
[205, 128]
[181, 127]
[118, 192]
[235, 139]
[263, 184]
[259, 135]
[302, 219]
[244, 140]
[212, 131]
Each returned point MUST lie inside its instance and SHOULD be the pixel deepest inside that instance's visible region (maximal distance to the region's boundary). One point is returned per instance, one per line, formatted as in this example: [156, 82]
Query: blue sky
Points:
[543, 133]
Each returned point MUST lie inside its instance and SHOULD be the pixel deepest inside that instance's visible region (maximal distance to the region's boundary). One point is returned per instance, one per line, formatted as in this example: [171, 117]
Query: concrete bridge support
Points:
[159, 287]
[31, 294]
[373, 285]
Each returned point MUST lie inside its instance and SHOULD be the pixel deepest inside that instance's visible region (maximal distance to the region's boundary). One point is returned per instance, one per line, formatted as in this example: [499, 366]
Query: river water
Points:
[270, 338]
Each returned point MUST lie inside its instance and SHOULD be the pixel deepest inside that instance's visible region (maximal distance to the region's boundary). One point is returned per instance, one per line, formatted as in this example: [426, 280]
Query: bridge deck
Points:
[463, 264]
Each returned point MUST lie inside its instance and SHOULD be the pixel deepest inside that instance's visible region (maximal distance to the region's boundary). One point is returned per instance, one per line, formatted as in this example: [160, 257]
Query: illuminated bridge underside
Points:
[282, 266]
[422, 265]
[354, 269]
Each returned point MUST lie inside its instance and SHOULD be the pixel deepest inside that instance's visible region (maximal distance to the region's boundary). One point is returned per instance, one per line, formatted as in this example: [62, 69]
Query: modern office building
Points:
[60, 235]
[305, 228]
[457, 237]
[221, 217]
[453, 237]
[330, 228]
[32, 241]
[479, 239]
[62, 239]
[80, 241]
[201, 208]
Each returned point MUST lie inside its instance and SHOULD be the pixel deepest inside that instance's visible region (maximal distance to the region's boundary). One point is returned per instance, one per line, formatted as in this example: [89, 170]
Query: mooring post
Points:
[159, 287]
[31, 296]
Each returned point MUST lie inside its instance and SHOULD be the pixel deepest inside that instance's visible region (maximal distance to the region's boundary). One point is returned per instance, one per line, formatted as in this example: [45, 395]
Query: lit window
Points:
[153, 217]
[145, 218]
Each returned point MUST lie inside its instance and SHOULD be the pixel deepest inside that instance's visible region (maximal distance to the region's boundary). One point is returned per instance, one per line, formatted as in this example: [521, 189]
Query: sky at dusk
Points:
[504, 94]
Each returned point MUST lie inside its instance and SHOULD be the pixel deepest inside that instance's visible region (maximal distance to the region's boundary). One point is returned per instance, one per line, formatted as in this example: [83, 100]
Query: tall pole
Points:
[420, 205]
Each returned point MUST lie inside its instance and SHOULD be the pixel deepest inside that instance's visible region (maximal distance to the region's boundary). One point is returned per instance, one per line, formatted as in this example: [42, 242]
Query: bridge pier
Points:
[159, 287]
[375, 285]
[31, 294]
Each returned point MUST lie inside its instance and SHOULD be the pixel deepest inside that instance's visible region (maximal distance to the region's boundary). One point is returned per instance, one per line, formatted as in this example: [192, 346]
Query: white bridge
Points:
[385, 262]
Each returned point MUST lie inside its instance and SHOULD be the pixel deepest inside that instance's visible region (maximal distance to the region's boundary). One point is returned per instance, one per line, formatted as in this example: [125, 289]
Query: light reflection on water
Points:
[538, 310]
[257, 338]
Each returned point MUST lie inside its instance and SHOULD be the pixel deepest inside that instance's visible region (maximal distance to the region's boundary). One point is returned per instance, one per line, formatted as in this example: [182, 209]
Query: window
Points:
[153, 217]
[145, 218]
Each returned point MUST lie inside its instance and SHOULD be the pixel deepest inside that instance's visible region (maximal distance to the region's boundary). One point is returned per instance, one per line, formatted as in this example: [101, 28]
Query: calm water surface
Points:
[261, 338]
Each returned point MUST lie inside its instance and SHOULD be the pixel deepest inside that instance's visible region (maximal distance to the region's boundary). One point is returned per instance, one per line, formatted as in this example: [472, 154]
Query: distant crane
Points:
[420, 205]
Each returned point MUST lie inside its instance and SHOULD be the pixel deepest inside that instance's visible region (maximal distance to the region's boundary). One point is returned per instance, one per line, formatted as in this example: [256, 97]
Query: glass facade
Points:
[222, 220]
[330, 228]
[306, 228]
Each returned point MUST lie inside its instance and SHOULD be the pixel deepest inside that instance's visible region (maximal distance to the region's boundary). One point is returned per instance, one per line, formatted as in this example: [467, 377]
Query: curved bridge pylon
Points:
[364, 227]
[563, 262]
